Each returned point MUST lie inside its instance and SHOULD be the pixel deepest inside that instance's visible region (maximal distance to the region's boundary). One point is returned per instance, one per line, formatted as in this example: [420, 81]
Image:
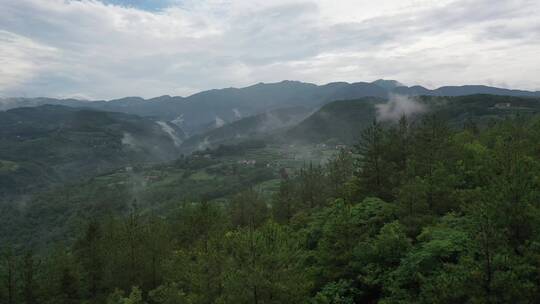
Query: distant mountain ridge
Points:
[200, 109]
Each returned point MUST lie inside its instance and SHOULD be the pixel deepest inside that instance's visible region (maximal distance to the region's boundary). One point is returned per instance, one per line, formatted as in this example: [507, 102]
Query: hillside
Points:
[45, 145]
[246, 128]
[211, 175]
[342, 121]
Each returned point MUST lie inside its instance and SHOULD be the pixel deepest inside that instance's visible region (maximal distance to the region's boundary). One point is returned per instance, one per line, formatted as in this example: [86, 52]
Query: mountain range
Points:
[205, 110]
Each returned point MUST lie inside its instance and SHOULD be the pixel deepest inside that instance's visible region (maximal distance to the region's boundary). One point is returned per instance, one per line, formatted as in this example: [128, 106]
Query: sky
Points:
[92, 49]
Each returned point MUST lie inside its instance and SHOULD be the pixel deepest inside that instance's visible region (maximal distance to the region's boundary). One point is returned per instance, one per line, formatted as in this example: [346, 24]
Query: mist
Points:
[129, 140]
[204, 144]
[237, 114]
[219, 122]
[170, 132]
[398, 106]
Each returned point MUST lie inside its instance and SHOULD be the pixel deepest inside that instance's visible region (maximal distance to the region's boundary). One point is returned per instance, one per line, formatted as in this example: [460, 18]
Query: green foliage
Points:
[117, 297]
[418, 213]
[247, 209]
[50, 145]
[336, 293]
[374, 174]
[341, 120]
[264, 267]
[169, 294]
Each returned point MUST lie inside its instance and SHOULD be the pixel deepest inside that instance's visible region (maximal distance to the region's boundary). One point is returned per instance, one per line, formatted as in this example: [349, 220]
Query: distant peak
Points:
[283, 83]
[129, 98]
[388, 84]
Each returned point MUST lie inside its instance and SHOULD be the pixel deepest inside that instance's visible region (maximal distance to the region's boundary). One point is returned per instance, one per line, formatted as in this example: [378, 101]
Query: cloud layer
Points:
[96, 49]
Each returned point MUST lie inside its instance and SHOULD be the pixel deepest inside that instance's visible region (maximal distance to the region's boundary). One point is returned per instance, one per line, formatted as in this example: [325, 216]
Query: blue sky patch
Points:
[148, 5]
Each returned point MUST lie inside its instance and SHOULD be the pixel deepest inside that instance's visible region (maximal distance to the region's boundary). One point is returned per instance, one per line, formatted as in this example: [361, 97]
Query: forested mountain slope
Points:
[45, 145]
[342, 121]
[248, 127]
[339, 121]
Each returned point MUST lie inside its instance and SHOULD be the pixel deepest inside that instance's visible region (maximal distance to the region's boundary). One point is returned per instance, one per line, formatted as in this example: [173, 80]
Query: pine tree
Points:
[69, 289]
[340, 171]
[89, 253]
[9, 281]
[312, 186]
[285, 203]
[157, 245]
[248, 209]
[373, 169]
[265, 267]
[29, 281]
[431, 157]
[132, 238]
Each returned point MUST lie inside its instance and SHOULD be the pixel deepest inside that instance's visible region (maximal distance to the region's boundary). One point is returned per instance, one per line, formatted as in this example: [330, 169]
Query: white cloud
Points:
[397, 107]
[87, 48]
[21, 59]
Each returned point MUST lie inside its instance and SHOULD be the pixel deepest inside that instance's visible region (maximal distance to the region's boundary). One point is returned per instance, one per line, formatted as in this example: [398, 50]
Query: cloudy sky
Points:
[115, 48]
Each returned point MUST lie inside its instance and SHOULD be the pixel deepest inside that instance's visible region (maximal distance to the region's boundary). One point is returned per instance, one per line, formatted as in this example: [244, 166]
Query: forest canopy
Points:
[416, 212]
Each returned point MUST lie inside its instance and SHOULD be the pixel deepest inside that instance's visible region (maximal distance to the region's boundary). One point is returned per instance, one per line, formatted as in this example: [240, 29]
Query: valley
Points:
[89, 163]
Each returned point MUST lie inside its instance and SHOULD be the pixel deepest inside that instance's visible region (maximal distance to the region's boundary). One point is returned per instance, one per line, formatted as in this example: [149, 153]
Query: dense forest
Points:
[255, 152]
[417, 212]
